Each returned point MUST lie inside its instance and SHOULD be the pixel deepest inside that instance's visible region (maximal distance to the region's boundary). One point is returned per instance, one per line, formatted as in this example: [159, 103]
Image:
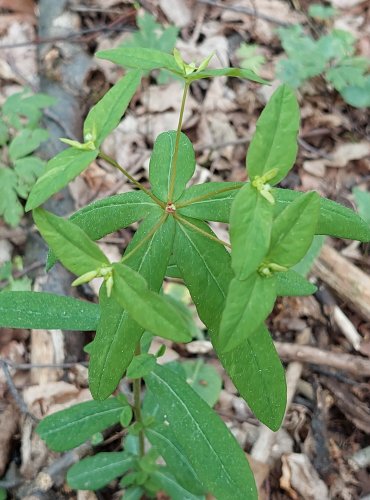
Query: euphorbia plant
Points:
[233, 286]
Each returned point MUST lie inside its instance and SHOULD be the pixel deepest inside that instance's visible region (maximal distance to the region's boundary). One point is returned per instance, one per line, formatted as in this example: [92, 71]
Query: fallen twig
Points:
[249, 11]
[350, 363]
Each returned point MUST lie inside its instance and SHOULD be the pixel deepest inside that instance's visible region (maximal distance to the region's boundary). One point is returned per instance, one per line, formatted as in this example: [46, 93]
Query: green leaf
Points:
[249, 57]
[253, 366]
[161, 318]
[107, 113]
[204, 379]
[164, 480]
[10, 207]
[126, 416]
[60, 170]
[26, 142]
[140, 58]
[134, 493]
[304, 266]
[293, 230]
[152, 35]
[93, 473]
[321, 12]
[3, 494]
[257, 373]
[334, 219]
[204, 265]
[117, 333]
[160, 166]
[290, 283]
[246, 74]
[205, 441]
[4, 133]
[28, 170]
[274, 144]
[250, 230]
[358, 95]
[109, 215]
[362, 199]
[70, 244]
[209, 201]
[69, 428]
[141, 365]
[41, 310]
[248, 303]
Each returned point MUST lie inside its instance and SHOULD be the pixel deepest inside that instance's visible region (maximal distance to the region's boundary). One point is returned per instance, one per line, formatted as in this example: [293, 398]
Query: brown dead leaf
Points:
[299, 476]
[345, 4]
[48, 394]
[177, 11]
[23, 6]
[9, 418]
[344, 153]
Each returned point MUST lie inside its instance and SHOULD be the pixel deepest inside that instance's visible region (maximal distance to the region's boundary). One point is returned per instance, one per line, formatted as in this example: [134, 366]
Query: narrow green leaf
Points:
[160, 166]
[141, 365]
[69, 428]
[258, 374]
[209, 201]
[334, 219]
[248, 303]
[117, 333]
[26, 142]
[107, 113]
[253, 366]
[204, 379]
[304, 266]
[133, 493]
[47, 311]
[290, 283]
[140, 58]
[165, 481]
[293, 230]
[231, 72]
[250, 230]
[70, 244]
[161, 318]
[362, 199]
[109, 215]
[60, 170]
[205, 266]
[126, 416]
[204, 439]
[93, 473]
[274, 144]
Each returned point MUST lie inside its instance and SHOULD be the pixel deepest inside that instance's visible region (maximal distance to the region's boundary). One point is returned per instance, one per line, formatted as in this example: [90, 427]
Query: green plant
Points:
[362, 199]
[331, 55]
[8, 282]
[271, 229]
[249, 57]
[20, 136]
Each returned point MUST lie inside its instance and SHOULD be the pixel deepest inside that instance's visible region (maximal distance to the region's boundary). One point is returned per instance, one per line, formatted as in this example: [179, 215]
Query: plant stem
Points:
[206, 196]
[177, 141]
[113, 162]
[137, 406]
[201, 231]
[146, 238]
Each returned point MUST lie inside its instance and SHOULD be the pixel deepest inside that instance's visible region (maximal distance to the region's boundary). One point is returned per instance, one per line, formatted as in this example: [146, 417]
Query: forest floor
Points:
[323, 449]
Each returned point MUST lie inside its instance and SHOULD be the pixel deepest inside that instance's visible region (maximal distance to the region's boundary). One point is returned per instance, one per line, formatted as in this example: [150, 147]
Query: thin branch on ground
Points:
[246, 10]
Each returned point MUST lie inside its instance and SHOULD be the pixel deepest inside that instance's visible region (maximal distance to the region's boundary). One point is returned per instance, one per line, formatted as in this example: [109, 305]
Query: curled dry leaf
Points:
[300, 479]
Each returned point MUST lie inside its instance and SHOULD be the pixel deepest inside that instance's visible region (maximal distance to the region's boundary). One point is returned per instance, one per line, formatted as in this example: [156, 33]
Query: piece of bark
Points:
[350, 283]
[357, 365]
[9, 418]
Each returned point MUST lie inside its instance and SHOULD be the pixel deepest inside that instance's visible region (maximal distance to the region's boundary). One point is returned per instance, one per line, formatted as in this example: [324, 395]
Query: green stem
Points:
[201, 231]
[177, 142]
[146, 238]
[206, 196]
[113, 162]
[137, 406]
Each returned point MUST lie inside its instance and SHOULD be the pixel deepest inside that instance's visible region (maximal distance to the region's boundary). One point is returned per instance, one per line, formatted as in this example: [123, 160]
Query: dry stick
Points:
[13, 390]
[246, 10]
[339, 318]
[349, 363]
[347, 280]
